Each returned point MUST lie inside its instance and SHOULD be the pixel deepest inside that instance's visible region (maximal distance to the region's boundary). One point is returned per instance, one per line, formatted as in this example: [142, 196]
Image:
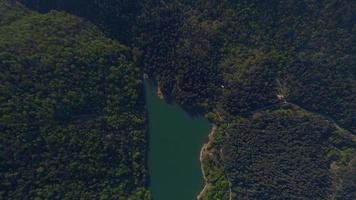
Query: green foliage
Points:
[278, 155]
[217, 191]
[71, 113]
[11, 11]
[217, 187]
[249, 85]
[344, 180]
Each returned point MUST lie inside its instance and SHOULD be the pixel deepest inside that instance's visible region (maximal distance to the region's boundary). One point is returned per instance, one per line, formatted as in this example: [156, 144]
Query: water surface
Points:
[175, 142]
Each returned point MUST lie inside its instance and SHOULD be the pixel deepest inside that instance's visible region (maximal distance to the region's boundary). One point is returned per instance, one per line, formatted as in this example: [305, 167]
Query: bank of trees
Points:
[72, 120]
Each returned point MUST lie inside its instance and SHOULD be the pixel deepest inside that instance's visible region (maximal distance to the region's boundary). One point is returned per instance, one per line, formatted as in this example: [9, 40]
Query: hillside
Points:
[72, 120]
[279, 154]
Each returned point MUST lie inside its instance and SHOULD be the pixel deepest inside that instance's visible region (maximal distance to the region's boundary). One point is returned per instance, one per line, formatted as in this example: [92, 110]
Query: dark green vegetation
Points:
[278, 154]
[10, 12]
[71, 111]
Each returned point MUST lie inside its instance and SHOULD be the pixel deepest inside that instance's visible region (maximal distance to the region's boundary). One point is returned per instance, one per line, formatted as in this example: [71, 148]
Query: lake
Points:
[175, 141]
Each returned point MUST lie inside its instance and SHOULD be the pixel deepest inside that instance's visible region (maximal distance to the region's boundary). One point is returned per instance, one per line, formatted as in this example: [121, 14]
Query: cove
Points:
[175, 141]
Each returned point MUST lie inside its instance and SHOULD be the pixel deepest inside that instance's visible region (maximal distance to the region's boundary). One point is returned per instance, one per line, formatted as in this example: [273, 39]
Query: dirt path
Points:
[203, 154]
[345, 133]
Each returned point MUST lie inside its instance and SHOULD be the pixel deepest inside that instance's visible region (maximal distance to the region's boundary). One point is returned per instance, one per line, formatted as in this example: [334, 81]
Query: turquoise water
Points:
[175, 140]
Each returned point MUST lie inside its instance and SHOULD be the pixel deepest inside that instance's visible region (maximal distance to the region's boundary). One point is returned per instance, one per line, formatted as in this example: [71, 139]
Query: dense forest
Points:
[282, 153]
[72, 120]
[277, 78]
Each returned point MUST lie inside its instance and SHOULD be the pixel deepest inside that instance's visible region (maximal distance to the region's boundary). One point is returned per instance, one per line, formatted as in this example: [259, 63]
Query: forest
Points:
[277, 78]
[282, 153]
[72, 118]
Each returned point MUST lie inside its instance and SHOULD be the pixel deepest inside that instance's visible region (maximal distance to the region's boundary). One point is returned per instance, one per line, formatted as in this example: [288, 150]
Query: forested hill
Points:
[71, 110]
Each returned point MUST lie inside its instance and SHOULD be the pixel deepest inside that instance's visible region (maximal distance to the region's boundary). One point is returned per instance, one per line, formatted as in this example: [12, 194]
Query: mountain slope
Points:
[71, 112]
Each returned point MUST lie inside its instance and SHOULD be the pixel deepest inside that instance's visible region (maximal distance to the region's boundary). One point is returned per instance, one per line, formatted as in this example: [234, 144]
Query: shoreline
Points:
[203, 153]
